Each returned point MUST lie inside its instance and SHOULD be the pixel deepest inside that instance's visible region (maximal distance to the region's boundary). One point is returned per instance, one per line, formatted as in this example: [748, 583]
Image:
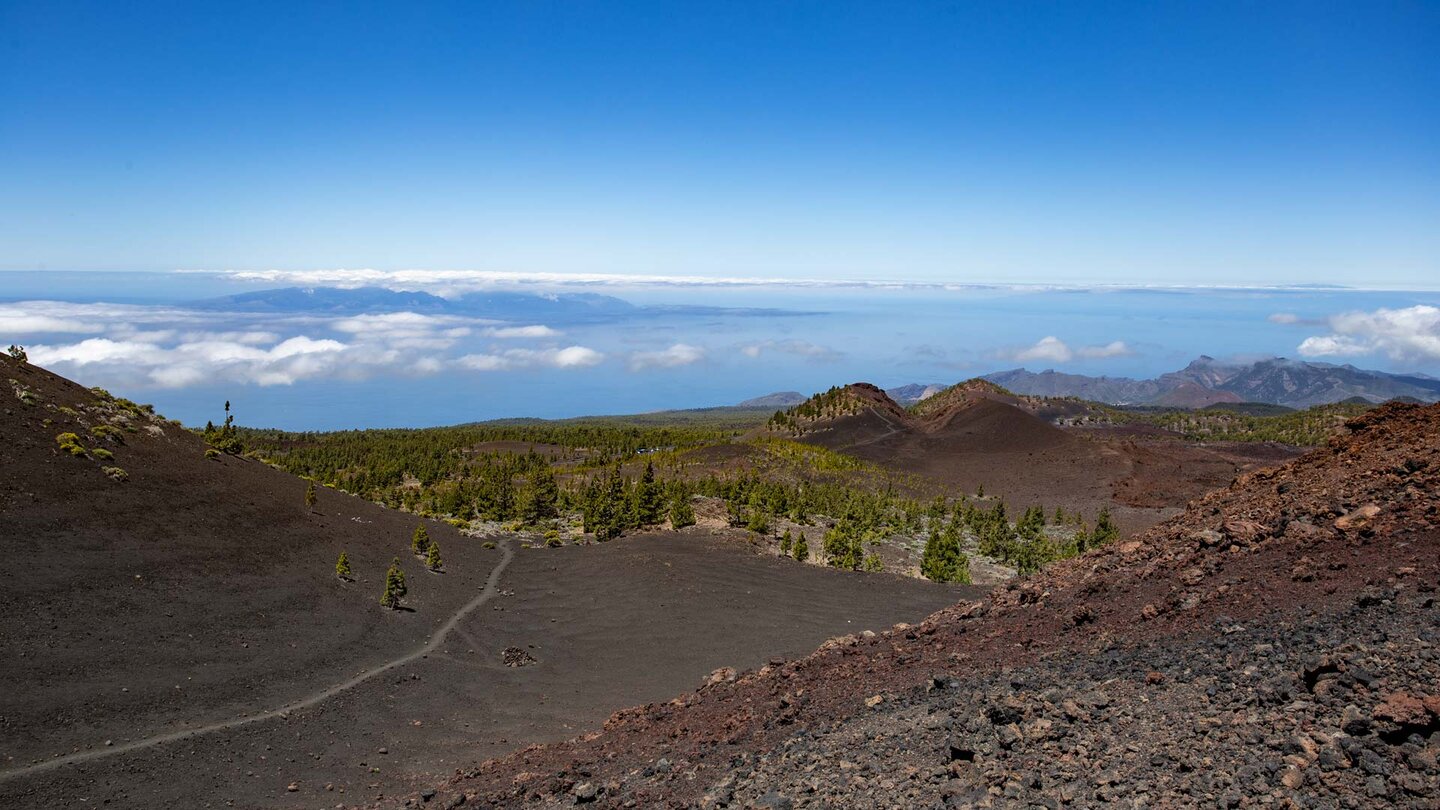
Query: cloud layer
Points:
[1412, 333]
[1051, 349]
[172, 347]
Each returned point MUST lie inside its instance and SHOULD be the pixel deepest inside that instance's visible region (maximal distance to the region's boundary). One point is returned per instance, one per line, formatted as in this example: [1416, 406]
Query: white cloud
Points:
[1051, 349]
[799, 348]
[206, 360]
[1284, 318]
[511, 359]
[1412, 333]
[680, 354]
[408, 330]
[535, 331]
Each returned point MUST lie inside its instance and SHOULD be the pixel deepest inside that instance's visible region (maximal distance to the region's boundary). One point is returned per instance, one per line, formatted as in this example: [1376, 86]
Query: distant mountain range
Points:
[1207, 381]
[363, 300]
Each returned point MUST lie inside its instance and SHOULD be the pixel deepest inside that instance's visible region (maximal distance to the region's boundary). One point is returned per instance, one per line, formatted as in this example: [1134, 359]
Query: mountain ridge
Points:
[1207, 381]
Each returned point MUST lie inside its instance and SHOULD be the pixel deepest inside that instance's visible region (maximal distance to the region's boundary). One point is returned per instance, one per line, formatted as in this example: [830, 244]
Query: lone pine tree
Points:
[342, 566]
[310, 494]
[420, 541]
[394, 586]
[432, 557]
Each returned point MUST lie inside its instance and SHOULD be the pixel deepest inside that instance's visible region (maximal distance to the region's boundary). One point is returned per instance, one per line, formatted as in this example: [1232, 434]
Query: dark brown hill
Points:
[976, 435]
[1273, 645]
[179, 591]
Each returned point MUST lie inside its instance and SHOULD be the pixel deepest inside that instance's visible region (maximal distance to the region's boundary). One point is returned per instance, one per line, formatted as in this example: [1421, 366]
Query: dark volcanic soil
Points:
[985, 440]
[201, 593]
[1278, 644]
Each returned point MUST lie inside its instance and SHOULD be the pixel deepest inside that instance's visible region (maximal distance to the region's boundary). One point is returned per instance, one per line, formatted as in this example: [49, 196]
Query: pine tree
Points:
[1105, 530]
[681, 513]
[394, 586]
[310, 494]
[420, 541]
[342, 566]
[432, 557]
[802, 548]
[786, 541]
[649, 503]
[933, 563]
[542, 498]
[961, 572]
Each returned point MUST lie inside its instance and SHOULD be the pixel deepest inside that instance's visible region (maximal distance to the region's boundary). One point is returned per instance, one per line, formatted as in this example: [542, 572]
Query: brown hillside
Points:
[1275, 644]
[114, 580]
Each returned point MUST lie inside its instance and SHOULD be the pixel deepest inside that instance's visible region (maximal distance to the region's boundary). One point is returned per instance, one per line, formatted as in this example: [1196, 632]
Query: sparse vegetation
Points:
[432, 557]
[102, 454]
[802, 548]
[310, 497]
[342, 566]
[17, 353]
[115, 473]
[420, 541]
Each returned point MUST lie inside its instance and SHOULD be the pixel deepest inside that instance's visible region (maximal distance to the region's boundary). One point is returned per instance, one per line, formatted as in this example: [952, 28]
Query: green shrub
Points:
[420, 541]
[103, 454]
[488, 544]
[116, 473]
[108, 432]
[395, 589]
[18, 353]
[211, 452]
[342, 566]
[432, 557]
[70, 443]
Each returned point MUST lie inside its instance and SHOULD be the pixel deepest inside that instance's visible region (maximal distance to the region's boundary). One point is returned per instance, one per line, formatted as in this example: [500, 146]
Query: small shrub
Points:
[117, 474]
[18, 353]
[70, 443]
[457, 523]
[108, 432]
[488, 544]
[102, 454]
[342, 566]
[420, 541]
[310, 494]
[872, 563]
[432, 557]
[212, 453]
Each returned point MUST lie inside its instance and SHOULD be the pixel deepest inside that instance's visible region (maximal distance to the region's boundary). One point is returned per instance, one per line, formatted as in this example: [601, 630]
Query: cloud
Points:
[1051, 349]
[206, 360]
[798, 348]
[1284, 318]
[408, 330]
[1412, 333]
[562, 358]
[680, 354]
[536, 331]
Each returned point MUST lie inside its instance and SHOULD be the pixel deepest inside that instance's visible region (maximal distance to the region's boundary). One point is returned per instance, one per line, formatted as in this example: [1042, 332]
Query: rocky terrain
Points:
[1274, 645]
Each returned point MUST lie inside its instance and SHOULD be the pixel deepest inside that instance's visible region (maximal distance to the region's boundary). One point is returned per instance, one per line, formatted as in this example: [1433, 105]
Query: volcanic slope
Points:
[1277, 644]
[179, 638]
[191, 591]
[976, 435]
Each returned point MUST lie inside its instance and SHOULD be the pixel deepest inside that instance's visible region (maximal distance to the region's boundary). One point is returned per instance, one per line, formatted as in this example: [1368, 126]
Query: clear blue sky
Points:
[1167, 142]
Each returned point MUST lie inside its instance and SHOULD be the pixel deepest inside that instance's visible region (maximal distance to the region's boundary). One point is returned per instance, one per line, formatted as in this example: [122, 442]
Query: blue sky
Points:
[1096, 142]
